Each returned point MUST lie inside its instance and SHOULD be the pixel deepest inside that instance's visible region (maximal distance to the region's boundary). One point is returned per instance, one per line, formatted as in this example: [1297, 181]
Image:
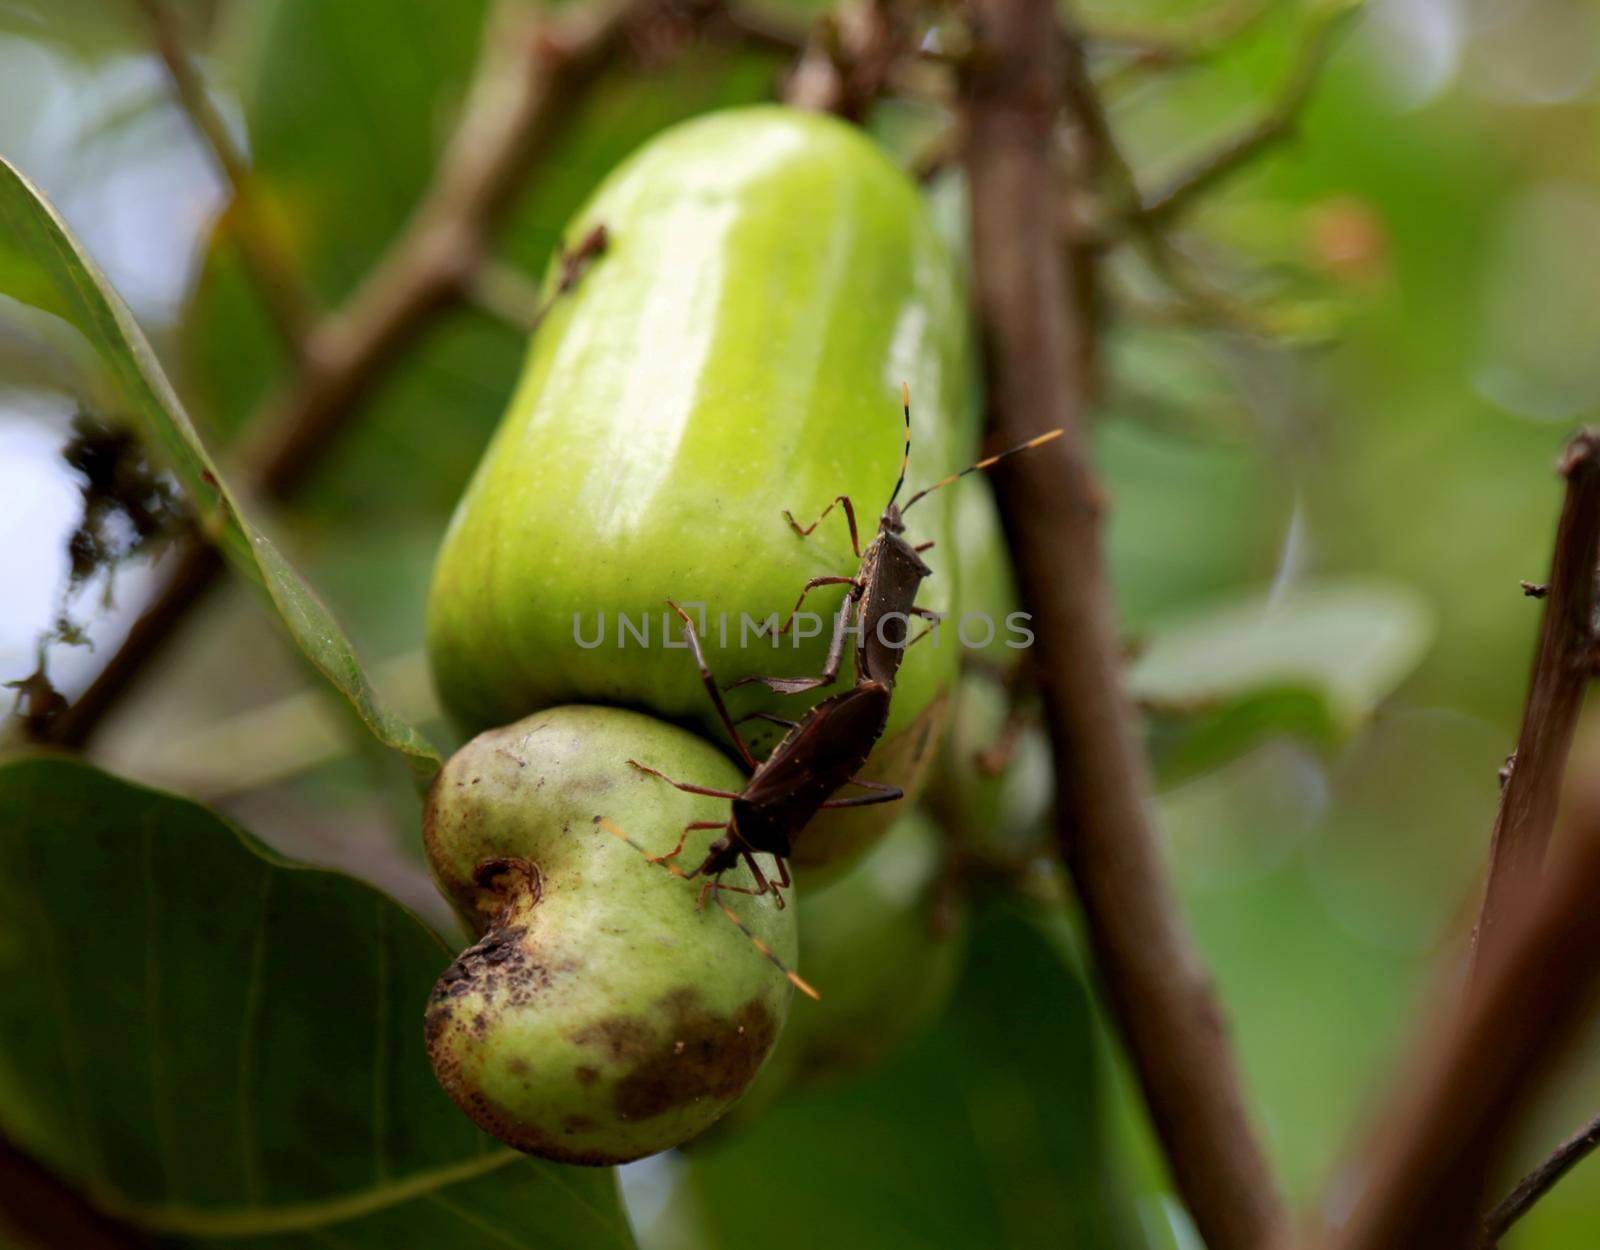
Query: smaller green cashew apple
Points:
[993, 779]
[602, 1017]
[884, 945]
[998, 806]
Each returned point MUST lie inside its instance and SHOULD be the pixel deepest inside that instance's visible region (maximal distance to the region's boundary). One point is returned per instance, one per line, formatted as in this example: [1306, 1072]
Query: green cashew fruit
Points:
[884, 945]
[993, 781]
[602, 1016]
[770, 280]
[999, 815]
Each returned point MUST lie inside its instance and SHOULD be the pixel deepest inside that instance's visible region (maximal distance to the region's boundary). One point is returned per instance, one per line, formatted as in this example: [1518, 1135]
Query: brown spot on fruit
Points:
[586, 1075]
[621, 1038]
[706, 1055]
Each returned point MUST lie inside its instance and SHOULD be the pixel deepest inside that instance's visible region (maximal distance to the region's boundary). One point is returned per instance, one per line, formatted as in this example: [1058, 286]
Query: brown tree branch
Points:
[1435, 1151]
[288, 301]
[1562, 668]
[1540, 1181]
[848, 62]
[531, 78]
[1051, 504]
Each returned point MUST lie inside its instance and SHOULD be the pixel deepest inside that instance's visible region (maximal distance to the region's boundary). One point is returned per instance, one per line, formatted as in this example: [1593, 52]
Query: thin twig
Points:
[532, 77]
[1181, 41]
[1539, 1182]
[850, 57]
[1562, 668]
[1051, 504]
[1493, 1043]
[1125, 209]
[1144, 221]
[1277, 124]
[288, 300]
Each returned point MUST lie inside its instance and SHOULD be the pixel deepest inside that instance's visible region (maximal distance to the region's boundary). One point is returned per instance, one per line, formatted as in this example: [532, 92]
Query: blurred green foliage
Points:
[315, 1110]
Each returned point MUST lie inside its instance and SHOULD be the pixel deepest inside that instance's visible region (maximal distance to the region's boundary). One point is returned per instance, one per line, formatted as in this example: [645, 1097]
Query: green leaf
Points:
[1312, 660]
[1194, 517]
[43, 265]
[212, 1042]
[1007, 1148]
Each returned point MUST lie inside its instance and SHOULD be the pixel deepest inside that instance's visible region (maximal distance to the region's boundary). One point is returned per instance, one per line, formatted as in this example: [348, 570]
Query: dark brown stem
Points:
[1051, 504]
[532, 77]
[195, 565]
[41, 1210]
[288, 301]
[1539, 1182]
[1434, 1152]
[1562, 668]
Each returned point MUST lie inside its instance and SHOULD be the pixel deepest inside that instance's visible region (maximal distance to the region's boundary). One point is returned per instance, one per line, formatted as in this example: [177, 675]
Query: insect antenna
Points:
[1038, 441]
[794, 978]
[905, 456]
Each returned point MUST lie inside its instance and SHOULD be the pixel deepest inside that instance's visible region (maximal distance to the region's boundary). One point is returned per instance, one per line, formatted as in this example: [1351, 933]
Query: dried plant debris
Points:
[130, 509]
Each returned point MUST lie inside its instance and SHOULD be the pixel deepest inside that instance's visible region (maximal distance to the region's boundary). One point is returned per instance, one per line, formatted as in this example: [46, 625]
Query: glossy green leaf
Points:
[1313, 659]
[43, 265]
[213, 1043]
[986, 1132]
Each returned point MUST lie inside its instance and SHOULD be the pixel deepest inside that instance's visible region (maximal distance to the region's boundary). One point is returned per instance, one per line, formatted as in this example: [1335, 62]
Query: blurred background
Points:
[1343, 447]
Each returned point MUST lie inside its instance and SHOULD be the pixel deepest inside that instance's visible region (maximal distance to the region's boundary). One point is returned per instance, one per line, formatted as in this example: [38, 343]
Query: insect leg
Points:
[715, 886]
[794, 977]
[762, 884]
[684, 837]
[849, 515]
[709, 681]
[880, 787]
[867, 800]
[927, 614]
[770, 719]
[808, 588]
[682, 785]
[830, 670]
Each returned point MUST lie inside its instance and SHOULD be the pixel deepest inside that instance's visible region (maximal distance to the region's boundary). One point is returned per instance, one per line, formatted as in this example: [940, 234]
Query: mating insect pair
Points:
[817, 756]
[819, 753]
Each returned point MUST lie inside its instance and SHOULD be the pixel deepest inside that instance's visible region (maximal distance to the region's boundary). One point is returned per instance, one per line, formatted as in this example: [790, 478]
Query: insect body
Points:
[883, 592]
[817, 756]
